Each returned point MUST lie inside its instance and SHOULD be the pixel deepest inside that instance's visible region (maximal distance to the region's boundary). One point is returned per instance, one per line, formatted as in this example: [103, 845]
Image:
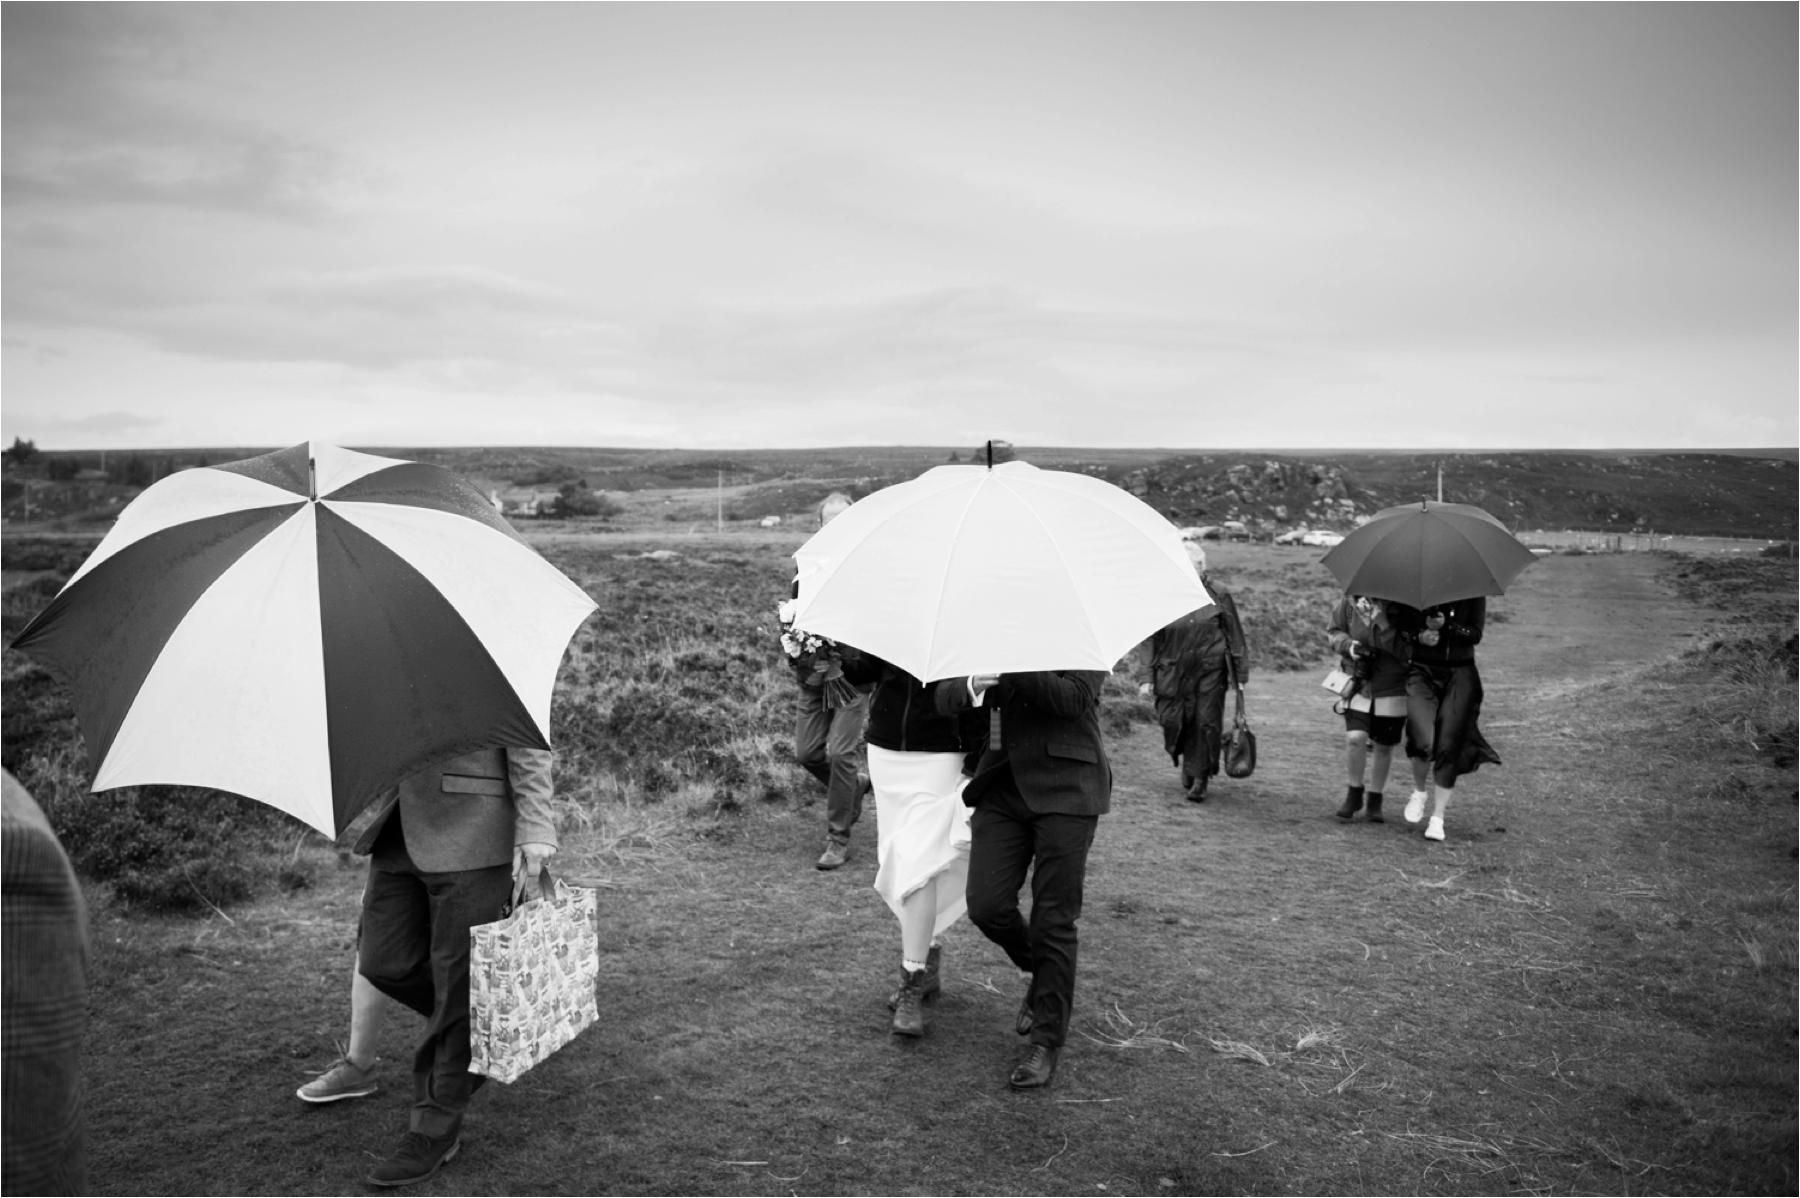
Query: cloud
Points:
[96, 113]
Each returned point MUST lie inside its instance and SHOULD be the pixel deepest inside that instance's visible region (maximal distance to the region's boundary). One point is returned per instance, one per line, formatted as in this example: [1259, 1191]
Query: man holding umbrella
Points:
[450, 846]
[1041, 782]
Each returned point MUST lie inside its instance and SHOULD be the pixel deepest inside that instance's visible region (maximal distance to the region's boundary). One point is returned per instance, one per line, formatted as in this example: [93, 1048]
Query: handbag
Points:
[1240, 742]
[532, 976]
[1338, 683]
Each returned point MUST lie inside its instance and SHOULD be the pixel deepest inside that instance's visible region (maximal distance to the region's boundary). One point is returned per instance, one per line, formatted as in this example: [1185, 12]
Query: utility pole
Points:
[1440, 482]
[720, 524]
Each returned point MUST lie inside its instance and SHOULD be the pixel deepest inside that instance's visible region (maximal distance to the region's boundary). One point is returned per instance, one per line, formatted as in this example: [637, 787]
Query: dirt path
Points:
[1557, 999]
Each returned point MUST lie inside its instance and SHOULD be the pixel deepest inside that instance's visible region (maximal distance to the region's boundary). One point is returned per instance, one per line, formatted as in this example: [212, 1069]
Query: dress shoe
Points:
[418, 1157]
[1036, 1070]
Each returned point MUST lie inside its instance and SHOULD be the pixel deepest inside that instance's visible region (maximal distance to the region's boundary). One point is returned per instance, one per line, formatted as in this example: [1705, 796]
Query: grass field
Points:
[1589, 988]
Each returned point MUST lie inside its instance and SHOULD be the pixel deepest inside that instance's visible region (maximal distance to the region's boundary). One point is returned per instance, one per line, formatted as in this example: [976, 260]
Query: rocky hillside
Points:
[1691, 494]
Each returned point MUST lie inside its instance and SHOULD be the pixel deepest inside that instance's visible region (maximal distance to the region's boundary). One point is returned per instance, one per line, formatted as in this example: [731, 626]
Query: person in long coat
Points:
[1193, 662]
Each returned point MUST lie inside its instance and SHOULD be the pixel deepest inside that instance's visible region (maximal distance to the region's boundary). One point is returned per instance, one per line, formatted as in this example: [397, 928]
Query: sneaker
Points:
[835, 854]
[418, 1157]
[1415, 806]
[1435, 829]
[345, 1079]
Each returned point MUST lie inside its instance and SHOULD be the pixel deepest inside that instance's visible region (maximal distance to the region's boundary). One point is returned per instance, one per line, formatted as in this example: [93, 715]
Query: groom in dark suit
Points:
[1040, 783]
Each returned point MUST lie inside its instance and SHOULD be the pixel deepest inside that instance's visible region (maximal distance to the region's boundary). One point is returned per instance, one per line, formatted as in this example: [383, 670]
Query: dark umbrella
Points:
[1426, 553]
[305, 628]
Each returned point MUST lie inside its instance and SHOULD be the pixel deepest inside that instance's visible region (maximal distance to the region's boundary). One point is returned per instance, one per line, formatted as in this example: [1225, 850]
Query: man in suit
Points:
[449, 847]
[1040, 783]
[45, 972]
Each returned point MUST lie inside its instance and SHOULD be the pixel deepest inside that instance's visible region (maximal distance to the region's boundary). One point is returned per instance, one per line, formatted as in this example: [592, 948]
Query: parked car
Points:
[1322, 537]
[1235, 530]
[1293, 536]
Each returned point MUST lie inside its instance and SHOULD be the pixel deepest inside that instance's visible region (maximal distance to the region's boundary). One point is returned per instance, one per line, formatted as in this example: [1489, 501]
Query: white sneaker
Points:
[1435, 829]
[1415, 806]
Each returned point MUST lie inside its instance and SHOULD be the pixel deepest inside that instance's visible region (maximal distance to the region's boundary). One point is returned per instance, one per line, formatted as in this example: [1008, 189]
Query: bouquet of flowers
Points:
[817, 661]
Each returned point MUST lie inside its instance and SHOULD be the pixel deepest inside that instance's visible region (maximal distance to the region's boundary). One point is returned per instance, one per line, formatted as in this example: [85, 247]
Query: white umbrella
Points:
[1003, 569]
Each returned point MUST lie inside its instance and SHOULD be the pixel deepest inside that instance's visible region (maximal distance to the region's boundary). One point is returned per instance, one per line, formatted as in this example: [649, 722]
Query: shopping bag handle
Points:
[546, 890]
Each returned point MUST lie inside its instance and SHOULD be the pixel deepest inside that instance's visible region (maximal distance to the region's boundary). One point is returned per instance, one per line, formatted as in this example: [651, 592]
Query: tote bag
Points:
[531, 980]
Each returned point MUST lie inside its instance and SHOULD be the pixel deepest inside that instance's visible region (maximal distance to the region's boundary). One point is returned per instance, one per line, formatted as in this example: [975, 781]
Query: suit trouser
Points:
[415, 950]
[1006, 839]
[828, 744]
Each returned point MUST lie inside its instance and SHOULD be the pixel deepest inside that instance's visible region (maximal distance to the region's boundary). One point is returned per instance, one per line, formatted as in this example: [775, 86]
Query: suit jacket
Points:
[1050, 740]
[469, 812]
[45, 971]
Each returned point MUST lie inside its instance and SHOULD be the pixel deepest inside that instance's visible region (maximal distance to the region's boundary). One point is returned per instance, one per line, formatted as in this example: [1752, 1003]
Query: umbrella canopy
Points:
[973, 569]
[305, 628]
[1427, 553]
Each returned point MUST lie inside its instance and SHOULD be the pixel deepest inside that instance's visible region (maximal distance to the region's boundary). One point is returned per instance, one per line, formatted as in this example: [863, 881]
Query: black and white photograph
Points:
[900, 597]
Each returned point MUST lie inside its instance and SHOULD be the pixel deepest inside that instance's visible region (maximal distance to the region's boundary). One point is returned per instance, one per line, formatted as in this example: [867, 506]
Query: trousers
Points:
[415, 950]
[1007, 839]
[828, 744]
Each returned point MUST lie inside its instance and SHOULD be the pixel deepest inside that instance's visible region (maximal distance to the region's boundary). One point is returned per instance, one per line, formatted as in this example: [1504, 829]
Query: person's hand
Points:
[1435, 620]
[981, 683]
[1429, 637]
[529, 861]
[1145, 688]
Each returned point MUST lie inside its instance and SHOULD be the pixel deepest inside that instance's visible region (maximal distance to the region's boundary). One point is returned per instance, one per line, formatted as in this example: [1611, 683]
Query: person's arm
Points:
[534, 820]
[1066, 693]
[1235, 646]
[1466, 628]
[1337, 633]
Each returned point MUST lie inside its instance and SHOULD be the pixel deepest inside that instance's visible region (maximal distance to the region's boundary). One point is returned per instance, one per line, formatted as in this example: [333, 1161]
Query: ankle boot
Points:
[1353, 801]
[932, 985]
[1374, 807]
[909, 1013]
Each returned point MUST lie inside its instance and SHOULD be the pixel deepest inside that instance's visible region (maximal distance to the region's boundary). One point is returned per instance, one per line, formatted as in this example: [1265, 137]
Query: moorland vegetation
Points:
[1589, 989]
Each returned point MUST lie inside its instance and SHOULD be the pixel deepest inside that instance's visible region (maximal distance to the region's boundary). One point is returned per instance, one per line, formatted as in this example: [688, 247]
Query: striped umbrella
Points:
[305, 628]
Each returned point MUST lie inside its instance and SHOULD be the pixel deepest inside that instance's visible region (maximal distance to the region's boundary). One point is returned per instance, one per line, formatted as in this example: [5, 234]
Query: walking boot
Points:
[909, 1014]
[932, 985]
[1353, 801]
[1373, 807]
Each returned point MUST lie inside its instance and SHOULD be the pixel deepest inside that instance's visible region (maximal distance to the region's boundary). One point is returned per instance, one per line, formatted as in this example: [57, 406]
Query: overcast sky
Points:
[748, 225]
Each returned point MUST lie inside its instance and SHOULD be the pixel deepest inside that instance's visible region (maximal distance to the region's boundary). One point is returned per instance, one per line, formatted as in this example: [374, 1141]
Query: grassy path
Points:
[1561, 998]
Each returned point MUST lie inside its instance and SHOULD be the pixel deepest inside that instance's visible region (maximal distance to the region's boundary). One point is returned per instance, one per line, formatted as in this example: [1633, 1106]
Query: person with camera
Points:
[1443, 703]
[1375, 654]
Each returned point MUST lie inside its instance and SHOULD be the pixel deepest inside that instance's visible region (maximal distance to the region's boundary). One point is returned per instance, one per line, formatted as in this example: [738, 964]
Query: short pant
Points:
[1382, 729]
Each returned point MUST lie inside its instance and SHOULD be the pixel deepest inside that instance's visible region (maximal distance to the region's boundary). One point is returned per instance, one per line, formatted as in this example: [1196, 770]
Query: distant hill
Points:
[1714, 493]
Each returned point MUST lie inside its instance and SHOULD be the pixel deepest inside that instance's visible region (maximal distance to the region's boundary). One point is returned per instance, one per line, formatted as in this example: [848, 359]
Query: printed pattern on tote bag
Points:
[531, 982]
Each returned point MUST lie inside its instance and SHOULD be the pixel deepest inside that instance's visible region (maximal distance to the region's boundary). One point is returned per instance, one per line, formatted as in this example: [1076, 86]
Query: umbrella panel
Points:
[104, 635]
[383, 620]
